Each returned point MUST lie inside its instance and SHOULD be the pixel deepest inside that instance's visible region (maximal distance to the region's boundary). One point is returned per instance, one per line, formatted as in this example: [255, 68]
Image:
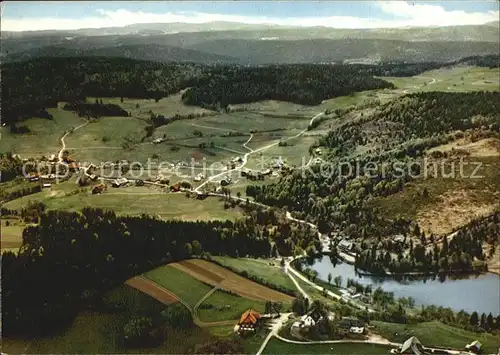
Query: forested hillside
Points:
[400, 131]
[318, 50]
[30, 86]
[153, 52]
[426, 117]
[303, 84]
[70, 259]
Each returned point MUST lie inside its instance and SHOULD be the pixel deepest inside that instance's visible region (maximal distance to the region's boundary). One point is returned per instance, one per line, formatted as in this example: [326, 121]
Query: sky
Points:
[49, 15]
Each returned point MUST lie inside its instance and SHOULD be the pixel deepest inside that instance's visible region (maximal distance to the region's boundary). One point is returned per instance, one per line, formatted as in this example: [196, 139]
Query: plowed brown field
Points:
[150, 288]
[213, 274]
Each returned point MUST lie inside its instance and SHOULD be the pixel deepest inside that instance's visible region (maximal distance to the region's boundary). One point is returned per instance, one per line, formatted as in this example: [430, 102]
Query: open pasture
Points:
[148, 287]
[221, 306]
[167, 106]
[216, 275]
[44, 136]
[131, 200]
[182, 285]
[260, 268]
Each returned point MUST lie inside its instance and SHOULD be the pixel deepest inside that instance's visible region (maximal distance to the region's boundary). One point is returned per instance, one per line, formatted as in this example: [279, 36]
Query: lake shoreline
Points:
[483, 290]
[349, 260]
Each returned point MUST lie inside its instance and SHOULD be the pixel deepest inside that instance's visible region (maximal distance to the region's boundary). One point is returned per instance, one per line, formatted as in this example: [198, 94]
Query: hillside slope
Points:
[152, 52]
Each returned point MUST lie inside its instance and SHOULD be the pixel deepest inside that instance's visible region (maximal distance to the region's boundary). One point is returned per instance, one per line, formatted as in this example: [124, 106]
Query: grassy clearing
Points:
[221, 306]
[453, 79]
[278, 347]
[222, 331]
[45, 135]
[295, 153]
[252, 343]
[181, 284]
[167, 106]
[437, 334]
[129, 201]
[259, 268]
[12, 235]
[97, 333]
[214, 274]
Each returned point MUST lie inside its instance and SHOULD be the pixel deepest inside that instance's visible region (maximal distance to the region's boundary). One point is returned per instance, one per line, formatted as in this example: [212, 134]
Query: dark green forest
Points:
[336, 197]
[30, 87]
[70, 259]
[302, 84]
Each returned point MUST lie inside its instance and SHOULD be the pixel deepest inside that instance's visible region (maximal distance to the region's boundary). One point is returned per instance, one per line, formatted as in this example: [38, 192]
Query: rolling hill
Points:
[152, 52]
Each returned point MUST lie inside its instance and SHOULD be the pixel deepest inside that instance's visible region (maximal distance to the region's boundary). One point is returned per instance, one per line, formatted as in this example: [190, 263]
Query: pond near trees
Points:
[476, 293]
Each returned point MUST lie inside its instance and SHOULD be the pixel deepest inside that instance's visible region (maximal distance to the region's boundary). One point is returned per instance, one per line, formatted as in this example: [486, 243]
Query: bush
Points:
[137, 331]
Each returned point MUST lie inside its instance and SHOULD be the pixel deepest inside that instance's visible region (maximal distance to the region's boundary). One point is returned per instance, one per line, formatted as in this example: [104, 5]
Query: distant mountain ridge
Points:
[150, 52]
[228, 42]
[488, 32]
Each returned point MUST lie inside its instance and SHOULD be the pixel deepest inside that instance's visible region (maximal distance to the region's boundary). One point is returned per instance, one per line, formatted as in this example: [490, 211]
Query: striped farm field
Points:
[213, 274]
[150, 288]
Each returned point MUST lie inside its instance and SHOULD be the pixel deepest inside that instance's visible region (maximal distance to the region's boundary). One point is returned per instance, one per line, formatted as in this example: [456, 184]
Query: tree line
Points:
[301, 83]
[69, 260]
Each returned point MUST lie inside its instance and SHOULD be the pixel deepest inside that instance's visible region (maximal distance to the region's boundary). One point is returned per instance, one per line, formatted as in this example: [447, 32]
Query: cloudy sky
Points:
[40, 15]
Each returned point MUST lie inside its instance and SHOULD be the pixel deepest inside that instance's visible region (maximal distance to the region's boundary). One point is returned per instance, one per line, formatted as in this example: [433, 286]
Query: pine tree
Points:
[489, 322]
[474, 318]
[483, 321]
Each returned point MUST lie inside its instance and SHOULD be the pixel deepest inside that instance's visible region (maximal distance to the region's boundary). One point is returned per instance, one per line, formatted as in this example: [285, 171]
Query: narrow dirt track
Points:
[167, 297]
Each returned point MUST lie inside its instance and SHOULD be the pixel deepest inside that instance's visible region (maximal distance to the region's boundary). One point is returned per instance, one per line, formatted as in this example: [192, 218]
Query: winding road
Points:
[418, 87]
[60, 154]
[253, 151]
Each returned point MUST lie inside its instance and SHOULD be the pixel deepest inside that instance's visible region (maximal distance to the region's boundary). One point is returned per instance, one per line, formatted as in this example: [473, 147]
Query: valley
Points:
[210, 191]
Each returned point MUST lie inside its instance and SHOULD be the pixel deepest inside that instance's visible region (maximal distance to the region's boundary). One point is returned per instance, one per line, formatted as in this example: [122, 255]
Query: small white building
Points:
[357, 330]
[119, 182]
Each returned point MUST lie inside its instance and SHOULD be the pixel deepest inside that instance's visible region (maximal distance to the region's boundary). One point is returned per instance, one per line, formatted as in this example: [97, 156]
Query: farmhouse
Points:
[399, 238]
[352, 290]
[139, 182]
[350, 322]
[345, 245]
[307, 321]
[33, 177]
[199, 177]
[46, 185]
[475, 346]
[225, 181]
[249, 320]
[98, 189]
[357, 330]
[119, 182]
[412, 346]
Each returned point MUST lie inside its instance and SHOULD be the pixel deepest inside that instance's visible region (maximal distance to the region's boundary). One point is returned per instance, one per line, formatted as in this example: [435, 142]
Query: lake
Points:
[476, 293]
